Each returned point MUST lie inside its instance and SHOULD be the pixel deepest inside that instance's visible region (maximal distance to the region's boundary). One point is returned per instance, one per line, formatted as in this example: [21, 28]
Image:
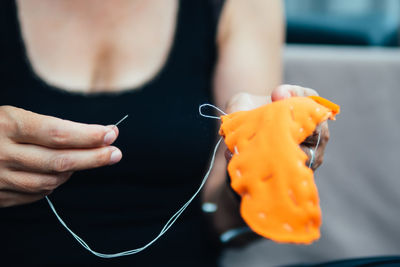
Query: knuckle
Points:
[7, 123]
[102, 157]
[61, 163]
[19, 123]
[12, 158]
[58, 136]
[6, 109]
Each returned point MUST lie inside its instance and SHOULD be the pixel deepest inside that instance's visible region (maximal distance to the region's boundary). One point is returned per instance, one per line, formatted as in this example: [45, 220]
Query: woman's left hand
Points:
[244, 101]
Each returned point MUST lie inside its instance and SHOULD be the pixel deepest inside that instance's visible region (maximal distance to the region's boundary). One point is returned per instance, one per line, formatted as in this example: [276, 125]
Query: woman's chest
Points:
[97, 45]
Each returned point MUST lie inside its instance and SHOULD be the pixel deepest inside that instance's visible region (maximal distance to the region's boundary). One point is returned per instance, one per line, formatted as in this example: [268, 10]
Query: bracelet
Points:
[209, 207]
[233, 233]
[227, 236]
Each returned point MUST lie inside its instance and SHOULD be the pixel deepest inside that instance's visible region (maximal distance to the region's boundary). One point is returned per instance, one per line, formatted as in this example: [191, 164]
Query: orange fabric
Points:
[334, 108]
[268, 168]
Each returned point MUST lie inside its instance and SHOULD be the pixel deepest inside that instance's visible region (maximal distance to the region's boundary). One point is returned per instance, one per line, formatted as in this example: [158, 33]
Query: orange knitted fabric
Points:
[268, 168]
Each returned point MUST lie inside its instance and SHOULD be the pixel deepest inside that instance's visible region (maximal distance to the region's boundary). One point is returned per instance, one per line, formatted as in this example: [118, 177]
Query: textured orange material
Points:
[334, 108]
[268, 168]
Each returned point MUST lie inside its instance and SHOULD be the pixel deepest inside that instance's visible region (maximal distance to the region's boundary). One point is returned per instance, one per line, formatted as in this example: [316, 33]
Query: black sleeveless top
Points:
[166, 147]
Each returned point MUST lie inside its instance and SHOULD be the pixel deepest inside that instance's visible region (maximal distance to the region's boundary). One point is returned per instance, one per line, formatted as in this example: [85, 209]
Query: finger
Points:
[10, 198]
[228, 155]
[312, 140]
[280, 93]
[245, 101]
[287, 91]
[42, 159]
[320, 152]
[316, 144]
[57, 133]
[34, 183]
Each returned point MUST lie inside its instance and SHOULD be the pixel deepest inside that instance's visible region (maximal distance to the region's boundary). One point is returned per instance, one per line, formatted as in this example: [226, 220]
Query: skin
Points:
[106, 49]
[40, 153]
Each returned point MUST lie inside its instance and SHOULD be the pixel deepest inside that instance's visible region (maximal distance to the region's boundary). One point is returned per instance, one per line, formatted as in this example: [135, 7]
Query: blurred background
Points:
[347, 51]
[343, 22]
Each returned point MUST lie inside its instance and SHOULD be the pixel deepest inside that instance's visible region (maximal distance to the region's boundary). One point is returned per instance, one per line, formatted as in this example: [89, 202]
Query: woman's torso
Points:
[104, 45]
[166, 146]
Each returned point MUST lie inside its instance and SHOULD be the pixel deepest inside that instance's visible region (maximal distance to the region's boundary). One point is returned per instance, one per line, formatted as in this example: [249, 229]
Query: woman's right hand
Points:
[39, 153]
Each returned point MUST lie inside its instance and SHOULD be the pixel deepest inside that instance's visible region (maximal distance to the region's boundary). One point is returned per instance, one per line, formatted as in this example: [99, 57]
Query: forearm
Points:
[249, 67]
[250, 42]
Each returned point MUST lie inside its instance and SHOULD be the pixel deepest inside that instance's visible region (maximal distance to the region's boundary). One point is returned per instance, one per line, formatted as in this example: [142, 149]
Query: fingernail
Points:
[116, 156]
[109, 137]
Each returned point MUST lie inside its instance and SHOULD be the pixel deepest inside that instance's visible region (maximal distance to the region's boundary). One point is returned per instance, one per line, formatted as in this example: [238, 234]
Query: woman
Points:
[95, 61]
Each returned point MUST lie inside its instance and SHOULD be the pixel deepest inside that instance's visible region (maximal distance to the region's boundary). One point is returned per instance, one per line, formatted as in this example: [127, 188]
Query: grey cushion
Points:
[359, 182]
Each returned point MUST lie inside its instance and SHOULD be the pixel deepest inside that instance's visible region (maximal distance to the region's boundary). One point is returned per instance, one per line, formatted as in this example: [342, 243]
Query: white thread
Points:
[209, 116]
[224, 238]
[170, 222]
